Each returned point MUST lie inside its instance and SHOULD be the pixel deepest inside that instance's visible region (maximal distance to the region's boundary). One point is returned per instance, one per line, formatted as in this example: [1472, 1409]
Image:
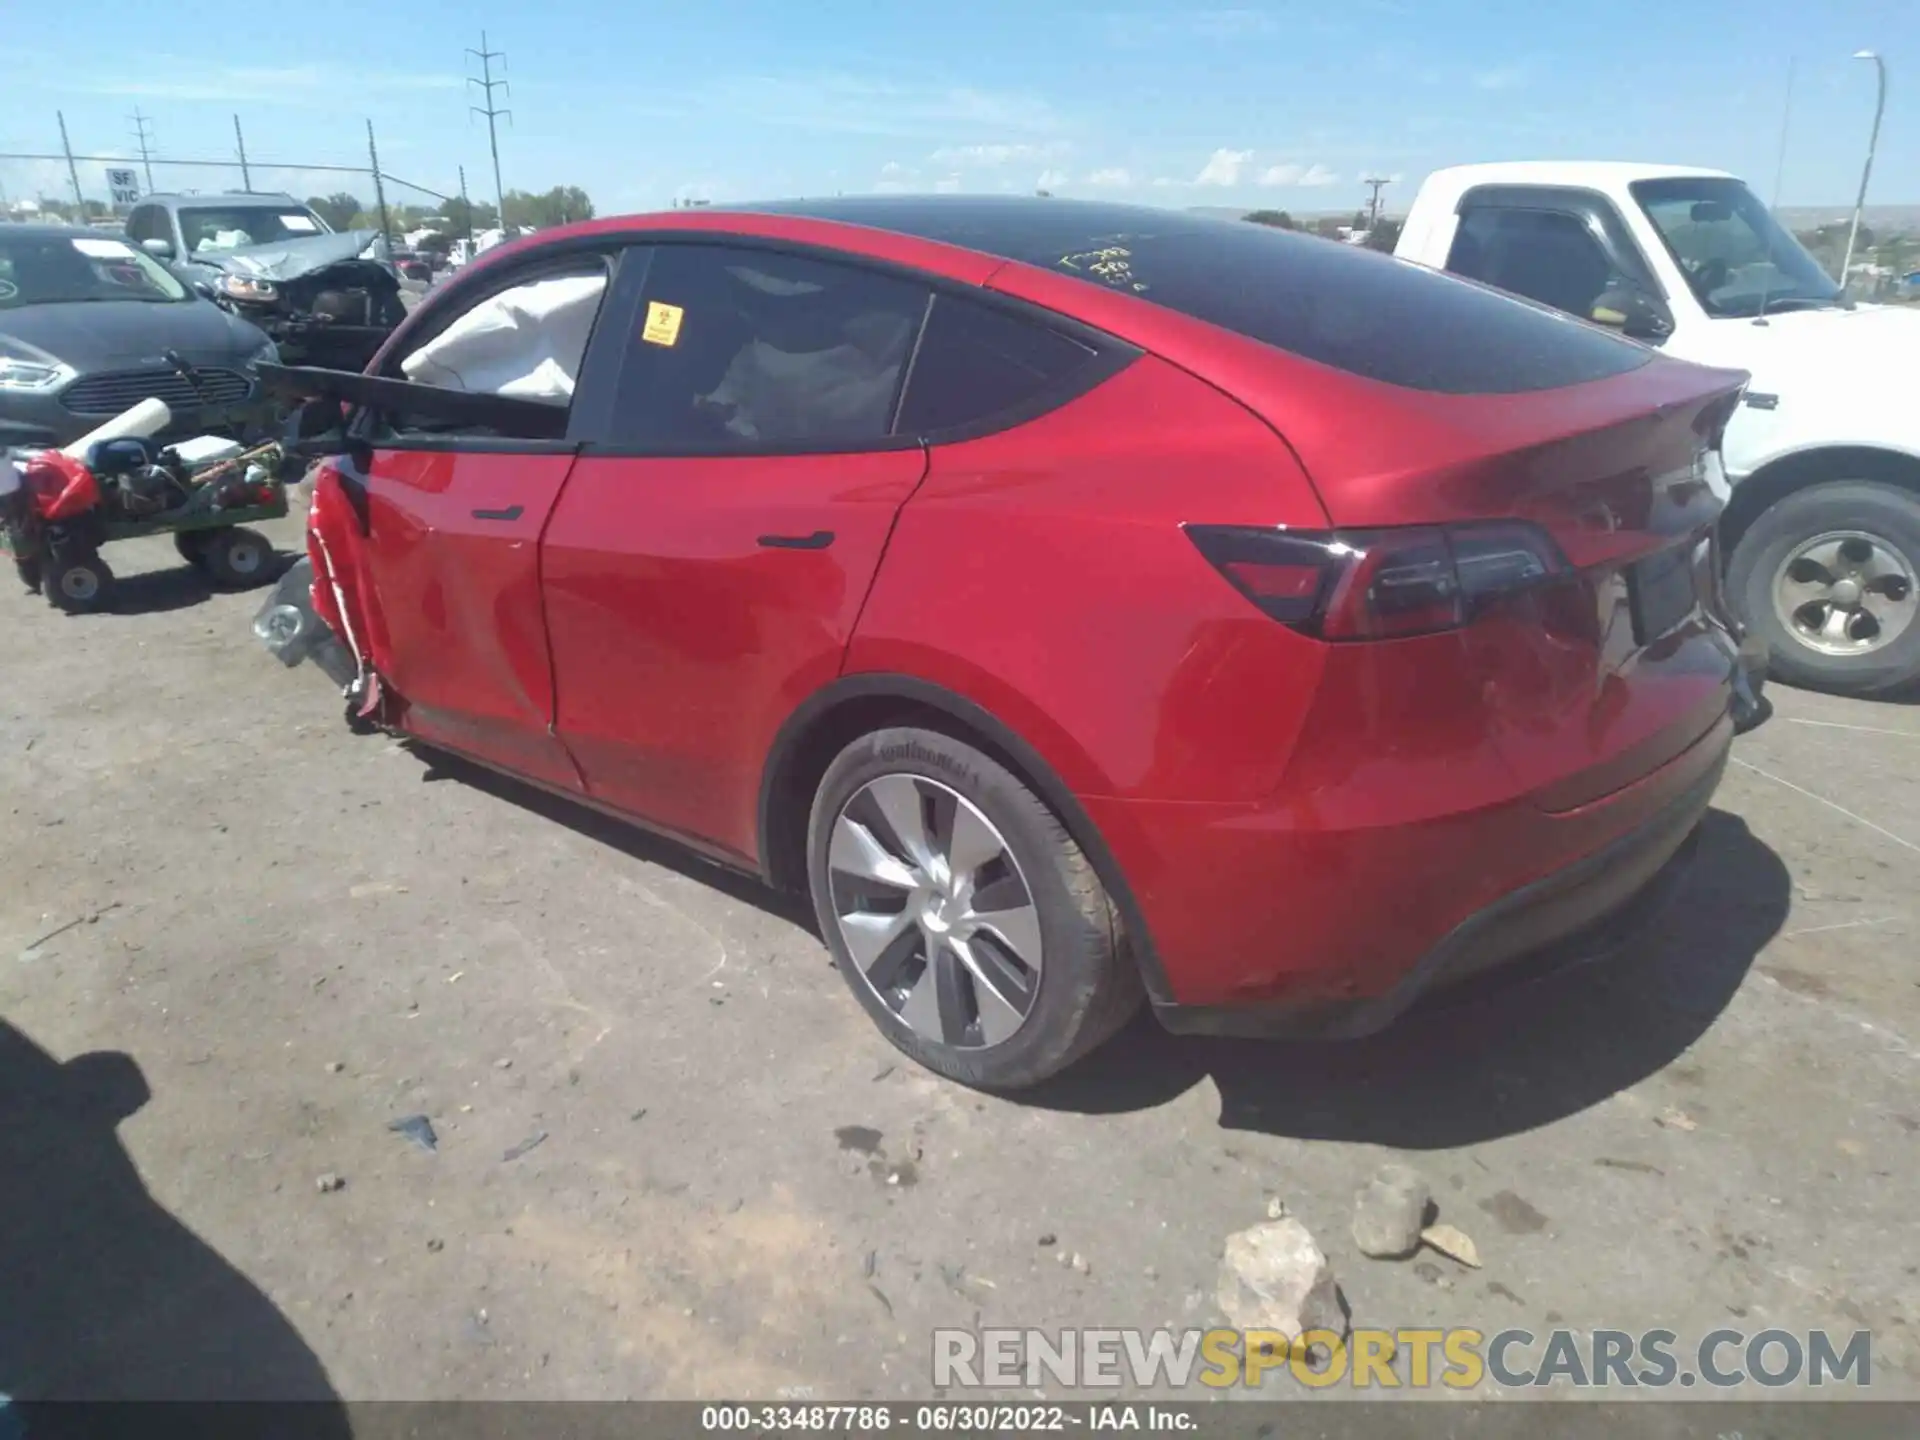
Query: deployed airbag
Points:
[527, 342]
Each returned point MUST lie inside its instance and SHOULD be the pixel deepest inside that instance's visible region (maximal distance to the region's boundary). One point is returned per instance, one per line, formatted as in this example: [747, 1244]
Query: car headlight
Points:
[33, 375]
[245, 287]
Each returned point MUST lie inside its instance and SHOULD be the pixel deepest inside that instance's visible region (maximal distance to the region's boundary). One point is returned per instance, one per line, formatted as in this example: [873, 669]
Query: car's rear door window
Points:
[745, 350]
[980, 367]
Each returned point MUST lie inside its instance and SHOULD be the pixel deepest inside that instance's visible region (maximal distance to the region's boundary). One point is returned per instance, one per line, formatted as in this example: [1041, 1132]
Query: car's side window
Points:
[743, 350]
[978, 364]
[1546, 255]
[523, 343]
[141, 225]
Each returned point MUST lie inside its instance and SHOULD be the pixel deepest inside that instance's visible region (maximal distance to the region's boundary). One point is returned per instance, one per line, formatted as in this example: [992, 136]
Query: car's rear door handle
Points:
[512, 512]
[818, 540]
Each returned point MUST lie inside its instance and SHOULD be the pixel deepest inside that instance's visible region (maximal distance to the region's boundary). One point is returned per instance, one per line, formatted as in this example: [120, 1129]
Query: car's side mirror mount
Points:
[158, 247]
[1635, 313]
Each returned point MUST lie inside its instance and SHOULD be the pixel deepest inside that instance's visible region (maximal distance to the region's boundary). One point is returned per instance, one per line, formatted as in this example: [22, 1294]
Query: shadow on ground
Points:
[1471, 1072]
[104, 1296]
[621, 835]
[1498, 1066]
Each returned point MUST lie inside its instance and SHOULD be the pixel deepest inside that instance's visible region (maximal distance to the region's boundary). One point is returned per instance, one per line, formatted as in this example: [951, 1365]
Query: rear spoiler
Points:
[527, 419]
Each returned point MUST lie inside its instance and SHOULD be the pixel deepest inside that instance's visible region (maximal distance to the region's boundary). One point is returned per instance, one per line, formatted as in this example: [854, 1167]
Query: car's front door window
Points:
[525, 343]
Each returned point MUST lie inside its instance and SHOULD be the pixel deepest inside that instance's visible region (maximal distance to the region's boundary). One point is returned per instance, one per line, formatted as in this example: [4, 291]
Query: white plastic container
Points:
[207, 450]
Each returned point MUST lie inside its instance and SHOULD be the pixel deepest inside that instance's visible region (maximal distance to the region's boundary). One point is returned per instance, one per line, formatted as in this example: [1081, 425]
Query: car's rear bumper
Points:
[1584, 912]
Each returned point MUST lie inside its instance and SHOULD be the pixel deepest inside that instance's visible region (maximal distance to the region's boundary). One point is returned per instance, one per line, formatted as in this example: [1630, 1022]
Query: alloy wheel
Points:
[934, 910]
[1845, 593]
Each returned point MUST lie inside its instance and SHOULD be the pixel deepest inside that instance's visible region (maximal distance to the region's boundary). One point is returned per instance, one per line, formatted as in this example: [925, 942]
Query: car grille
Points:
[111, 391]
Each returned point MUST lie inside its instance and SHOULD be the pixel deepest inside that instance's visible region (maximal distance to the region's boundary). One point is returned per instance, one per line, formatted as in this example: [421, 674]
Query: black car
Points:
[86, 324]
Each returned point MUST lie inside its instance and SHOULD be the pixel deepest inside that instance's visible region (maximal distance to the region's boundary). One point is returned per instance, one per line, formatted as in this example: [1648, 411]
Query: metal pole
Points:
[73, 171]
[1866, 172]
[466, 209]
[246, 180]
[487, 84]
[140, 124]
[1786, 119]
[379, 190]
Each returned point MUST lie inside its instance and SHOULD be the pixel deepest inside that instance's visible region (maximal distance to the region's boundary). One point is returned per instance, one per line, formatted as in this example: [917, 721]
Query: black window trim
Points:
[1110, 354]
[1593, 209]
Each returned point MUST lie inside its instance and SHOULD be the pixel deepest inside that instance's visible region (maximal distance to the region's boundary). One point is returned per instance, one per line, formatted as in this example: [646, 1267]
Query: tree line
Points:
[526, 210]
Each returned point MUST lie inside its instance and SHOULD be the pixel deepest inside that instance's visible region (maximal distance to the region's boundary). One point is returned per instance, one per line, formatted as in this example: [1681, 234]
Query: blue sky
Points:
[1285, 104]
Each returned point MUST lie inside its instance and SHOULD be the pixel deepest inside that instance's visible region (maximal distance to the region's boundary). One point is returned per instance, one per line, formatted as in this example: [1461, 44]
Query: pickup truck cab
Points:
[1821, 532]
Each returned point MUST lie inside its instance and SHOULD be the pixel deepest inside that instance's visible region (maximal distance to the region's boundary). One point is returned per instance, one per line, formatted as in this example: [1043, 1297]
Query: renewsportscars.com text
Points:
[1417, 1359]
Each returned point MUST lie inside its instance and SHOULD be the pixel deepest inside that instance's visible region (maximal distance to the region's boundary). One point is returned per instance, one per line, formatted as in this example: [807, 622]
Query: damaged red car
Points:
[1077, 602]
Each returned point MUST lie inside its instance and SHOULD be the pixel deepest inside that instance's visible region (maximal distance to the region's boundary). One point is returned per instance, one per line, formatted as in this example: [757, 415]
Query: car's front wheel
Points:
[962, 913]
[1827, 578]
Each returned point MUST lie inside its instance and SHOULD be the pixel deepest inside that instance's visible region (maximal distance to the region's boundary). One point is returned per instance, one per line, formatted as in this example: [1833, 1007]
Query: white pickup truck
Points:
[1822, 527]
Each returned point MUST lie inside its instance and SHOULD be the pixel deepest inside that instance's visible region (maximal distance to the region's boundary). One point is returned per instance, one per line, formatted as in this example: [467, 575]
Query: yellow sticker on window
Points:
[663, 323]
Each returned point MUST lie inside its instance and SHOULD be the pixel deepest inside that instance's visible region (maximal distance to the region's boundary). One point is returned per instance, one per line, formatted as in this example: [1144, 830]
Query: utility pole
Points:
[73, 171]
[246, 180]
[488, 85]
[379, 193]
[1866, 171]
[143, 136]
[1373, 204]
[466, 210]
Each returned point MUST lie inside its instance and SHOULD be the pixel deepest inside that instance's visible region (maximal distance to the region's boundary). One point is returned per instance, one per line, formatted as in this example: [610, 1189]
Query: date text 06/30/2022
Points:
[943, 1417]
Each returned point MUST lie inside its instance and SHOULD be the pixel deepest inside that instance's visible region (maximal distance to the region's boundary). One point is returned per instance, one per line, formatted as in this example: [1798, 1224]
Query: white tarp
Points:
[527, 342]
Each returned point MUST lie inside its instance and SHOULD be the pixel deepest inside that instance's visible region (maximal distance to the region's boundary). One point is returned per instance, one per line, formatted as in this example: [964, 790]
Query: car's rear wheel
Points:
[1827, 577]
[962, 913]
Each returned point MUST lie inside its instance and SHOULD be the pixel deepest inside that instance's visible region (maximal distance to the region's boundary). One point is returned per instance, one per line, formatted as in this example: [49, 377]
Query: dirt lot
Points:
[737, 1187]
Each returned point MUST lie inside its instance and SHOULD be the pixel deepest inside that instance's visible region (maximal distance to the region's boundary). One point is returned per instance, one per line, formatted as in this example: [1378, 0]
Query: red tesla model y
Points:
[1076, 601]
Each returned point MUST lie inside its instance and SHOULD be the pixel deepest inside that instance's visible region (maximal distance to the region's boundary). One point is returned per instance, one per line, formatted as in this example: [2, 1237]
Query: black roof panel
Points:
[1339, 305]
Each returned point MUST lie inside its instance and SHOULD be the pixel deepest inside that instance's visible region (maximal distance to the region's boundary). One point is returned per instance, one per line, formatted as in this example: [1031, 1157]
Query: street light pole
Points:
[1873, 139]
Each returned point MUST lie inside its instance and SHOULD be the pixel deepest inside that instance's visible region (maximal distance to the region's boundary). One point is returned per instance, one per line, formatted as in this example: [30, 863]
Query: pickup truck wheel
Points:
[1827, 577]
[962, 914]
[29, 572]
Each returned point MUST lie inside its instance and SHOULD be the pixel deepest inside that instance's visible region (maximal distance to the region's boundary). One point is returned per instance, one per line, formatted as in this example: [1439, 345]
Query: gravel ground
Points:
[673, 1157]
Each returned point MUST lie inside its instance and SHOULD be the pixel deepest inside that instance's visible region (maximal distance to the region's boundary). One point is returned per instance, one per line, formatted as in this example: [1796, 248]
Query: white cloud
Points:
[896, 178]
[853, 105]
[168, 78]
[1311, 177]
[1223, 168]
[1052, 180]
[947, 185]
[1506, 77]
[988, 157]
[1113, 178]
[1141, 30]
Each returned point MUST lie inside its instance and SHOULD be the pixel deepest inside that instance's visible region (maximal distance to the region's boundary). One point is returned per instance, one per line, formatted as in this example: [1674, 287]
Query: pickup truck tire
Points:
[1826, 576]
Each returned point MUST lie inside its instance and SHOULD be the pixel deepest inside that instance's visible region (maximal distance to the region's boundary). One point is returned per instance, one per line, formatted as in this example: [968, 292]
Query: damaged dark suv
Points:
[326, 298]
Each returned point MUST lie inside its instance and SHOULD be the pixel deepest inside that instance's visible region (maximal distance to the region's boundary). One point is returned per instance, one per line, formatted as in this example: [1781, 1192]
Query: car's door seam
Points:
[873, 574]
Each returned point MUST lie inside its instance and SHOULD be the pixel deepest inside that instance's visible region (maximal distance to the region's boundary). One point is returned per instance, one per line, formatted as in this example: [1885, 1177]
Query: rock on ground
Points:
[1275, 1277]
[1388, 1213]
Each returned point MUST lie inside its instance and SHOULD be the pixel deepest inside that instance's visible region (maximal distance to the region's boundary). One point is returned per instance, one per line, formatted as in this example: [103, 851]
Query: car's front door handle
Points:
[818, 540]
[512, 512]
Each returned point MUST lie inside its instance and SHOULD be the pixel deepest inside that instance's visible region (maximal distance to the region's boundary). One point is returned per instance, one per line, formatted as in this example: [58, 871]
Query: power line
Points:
[143, 136]
[488, 85]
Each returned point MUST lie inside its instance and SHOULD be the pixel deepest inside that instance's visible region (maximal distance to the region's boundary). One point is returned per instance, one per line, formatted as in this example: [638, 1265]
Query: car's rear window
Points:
[1337, 304]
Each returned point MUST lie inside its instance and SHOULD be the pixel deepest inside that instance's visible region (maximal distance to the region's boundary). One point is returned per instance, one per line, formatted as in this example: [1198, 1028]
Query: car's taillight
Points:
[1377, 584]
